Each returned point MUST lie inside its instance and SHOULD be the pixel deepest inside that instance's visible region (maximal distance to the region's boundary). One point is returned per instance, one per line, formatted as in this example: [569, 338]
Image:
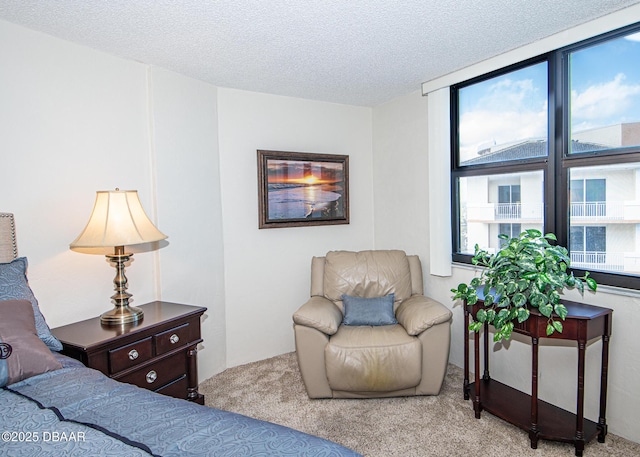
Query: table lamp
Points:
[118, 220]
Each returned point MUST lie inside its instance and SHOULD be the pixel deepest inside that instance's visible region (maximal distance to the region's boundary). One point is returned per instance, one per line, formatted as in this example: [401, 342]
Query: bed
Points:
[53, 405]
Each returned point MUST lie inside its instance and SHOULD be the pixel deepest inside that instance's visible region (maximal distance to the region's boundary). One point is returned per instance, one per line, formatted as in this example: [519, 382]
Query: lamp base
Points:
[121, 315]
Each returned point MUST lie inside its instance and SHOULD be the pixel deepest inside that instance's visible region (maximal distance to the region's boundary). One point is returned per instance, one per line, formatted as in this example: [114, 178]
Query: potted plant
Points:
[527, 271]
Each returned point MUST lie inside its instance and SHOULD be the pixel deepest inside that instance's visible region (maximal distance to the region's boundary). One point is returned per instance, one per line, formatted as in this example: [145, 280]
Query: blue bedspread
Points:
[79, 411]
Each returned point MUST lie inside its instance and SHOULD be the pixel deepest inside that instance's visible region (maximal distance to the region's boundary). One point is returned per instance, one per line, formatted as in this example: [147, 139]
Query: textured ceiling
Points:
[360, 52]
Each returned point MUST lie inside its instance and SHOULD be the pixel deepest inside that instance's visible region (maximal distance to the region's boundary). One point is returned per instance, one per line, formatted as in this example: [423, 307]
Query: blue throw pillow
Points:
[368, 311]
[14, 286]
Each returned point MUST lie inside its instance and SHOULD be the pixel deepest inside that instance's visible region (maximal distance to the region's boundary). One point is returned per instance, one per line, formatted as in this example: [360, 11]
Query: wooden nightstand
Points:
[159, 353]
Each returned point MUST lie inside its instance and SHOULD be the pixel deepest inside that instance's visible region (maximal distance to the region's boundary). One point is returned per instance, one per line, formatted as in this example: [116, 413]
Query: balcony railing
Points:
[597, 210]
[582, 212]
[508, 210]
[514, 211]
[597, 260]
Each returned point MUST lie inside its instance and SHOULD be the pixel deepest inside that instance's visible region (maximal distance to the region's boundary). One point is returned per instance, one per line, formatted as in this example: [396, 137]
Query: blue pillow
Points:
[14, 286]
[368, 311]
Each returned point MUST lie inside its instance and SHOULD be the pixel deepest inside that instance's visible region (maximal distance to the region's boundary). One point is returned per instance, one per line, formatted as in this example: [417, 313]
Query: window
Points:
[553, 143]
[604, 88]
[508, 202]
[504, 118]
[588, 248]
[588, 197]
[511, 230]
[490, 204]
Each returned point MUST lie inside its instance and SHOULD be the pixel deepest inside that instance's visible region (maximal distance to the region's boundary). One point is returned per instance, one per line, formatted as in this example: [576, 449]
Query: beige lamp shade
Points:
[118, 219]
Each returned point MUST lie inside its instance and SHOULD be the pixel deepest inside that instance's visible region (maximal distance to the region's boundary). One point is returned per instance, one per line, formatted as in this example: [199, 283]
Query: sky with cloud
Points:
[605, 90]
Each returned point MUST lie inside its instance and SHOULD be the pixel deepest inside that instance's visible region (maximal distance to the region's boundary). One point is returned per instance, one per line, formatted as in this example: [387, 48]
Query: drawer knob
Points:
[133, 354]
[174, 338]
[152, 376]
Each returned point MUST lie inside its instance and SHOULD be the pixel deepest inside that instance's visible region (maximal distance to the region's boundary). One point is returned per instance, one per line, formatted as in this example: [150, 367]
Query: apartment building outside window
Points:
[553, 143]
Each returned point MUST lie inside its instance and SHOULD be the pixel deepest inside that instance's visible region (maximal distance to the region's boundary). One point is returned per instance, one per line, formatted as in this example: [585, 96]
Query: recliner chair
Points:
[395, 342]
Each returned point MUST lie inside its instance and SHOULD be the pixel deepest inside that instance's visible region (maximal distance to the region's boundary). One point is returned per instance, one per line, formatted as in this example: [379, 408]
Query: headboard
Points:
[8, 244]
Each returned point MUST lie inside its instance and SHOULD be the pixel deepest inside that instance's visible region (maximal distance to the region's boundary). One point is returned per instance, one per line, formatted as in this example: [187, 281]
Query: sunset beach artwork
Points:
[302, 189]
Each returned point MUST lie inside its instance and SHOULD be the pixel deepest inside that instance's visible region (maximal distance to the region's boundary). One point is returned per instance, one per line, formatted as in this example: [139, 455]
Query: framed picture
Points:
[298, 188]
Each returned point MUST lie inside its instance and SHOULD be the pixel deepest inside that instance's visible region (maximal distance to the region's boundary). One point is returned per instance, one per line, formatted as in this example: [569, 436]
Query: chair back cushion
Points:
[366, 274]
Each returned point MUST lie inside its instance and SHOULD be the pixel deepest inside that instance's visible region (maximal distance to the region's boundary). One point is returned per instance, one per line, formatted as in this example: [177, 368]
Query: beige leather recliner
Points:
[346, 361]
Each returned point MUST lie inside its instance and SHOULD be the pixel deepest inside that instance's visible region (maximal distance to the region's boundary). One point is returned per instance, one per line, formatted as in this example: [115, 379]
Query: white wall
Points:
[73, 121]
[401, 184]
[184, 125]
[267, 272]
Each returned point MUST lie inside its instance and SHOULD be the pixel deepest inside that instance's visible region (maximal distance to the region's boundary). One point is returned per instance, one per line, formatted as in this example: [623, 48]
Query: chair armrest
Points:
[418, 313]
[319, 313]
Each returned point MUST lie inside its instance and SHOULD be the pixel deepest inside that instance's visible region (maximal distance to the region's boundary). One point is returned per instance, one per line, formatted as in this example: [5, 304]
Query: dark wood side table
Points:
[541, 419]
[159, 353]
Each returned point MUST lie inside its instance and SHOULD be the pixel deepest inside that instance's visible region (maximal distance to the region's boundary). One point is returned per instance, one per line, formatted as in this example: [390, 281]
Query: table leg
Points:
[604, 376]
[477, 406]
[192, 378]
[465, 384]
[533, 431]
[486, 376]
[579, 438]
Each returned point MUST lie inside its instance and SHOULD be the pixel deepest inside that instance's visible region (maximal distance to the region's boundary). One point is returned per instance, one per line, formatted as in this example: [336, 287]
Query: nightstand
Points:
[159, 353]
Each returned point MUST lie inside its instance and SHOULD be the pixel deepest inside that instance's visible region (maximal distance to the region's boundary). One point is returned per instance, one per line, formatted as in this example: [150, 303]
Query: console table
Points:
[541, 419]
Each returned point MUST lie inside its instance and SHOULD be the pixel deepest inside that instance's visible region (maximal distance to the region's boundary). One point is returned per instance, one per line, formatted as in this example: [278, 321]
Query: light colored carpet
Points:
[443, 425]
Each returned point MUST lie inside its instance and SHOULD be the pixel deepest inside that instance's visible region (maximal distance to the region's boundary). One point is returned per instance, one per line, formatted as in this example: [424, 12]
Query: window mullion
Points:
[558, 126]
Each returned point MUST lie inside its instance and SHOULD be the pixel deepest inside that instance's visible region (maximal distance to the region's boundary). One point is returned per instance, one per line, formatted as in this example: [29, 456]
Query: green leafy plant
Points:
[528, 271]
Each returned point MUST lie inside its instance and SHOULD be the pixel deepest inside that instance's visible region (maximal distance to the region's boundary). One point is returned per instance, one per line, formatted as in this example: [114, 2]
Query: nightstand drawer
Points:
[130, 355]
[177, 388]
[158, 374]
[173, 338]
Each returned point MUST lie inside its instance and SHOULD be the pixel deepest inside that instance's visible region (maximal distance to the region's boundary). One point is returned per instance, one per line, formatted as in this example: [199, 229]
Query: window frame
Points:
[556, 165]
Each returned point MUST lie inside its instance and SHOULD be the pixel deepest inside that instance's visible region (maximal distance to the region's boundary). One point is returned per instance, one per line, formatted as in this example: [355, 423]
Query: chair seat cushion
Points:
[373, 359]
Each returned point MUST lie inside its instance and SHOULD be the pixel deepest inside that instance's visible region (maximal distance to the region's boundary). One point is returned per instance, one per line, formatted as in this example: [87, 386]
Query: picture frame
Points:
[298, 189]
